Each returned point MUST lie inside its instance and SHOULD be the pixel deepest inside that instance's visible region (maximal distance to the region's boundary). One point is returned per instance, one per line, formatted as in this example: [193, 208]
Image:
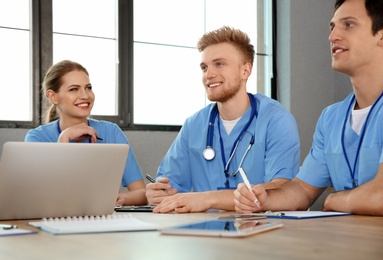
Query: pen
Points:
[97, 137]
[254, 215]
[152, 180]
[5, 226]
[247, 183]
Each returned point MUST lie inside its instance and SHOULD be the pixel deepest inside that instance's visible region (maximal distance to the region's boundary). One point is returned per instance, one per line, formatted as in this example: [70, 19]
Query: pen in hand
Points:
[247, 183]
[152, 180]
[97, 137]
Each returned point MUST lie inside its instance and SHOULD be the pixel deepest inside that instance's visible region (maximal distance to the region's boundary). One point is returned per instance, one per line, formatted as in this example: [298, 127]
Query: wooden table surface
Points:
[344, 237]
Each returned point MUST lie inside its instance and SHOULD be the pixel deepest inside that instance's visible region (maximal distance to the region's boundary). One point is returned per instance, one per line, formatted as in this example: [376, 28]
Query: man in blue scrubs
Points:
[238, 130]
[347, 149]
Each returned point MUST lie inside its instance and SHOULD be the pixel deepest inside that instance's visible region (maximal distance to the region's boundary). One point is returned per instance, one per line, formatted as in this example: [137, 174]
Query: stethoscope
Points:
[352, 170]
[209, 152]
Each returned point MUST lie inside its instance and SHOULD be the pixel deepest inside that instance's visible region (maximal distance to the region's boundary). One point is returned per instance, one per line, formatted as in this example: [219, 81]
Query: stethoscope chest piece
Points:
[208, 153]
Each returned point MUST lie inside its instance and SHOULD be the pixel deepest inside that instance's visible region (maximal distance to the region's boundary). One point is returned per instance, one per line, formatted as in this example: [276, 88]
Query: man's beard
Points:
[225, 94]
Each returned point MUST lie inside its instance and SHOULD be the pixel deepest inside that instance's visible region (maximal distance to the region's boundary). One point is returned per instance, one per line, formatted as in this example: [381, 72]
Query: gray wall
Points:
[306, 82]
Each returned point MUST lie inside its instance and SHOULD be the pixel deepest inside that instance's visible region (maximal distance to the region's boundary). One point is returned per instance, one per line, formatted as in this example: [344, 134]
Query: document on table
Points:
[15, 232]
[289, 214]
[306, 214]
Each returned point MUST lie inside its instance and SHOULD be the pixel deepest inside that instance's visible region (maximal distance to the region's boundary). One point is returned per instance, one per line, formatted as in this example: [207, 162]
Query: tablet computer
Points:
[222, 228]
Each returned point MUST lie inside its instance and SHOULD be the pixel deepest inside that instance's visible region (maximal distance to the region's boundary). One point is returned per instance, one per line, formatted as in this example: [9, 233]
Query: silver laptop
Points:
[40, 180]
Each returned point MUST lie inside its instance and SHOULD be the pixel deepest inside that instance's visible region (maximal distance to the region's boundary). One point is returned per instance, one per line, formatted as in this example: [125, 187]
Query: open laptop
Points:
[43, 180]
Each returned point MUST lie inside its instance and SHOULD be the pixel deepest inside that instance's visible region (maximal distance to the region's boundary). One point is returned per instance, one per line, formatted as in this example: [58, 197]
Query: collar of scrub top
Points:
[59, 129]
[352, 170]
[209, 141]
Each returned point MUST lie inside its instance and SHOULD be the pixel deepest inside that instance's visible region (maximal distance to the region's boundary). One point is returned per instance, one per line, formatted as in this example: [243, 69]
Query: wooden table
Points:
[344, 237]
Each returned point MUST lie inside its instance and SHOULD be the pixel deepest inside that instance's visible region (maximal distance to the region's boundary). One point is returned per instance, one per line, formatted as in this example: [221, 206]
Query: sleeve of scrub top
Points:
[132, 171]
[314, 170]
[43, 133]
[282, 153]
[176, 164]
[32, 136]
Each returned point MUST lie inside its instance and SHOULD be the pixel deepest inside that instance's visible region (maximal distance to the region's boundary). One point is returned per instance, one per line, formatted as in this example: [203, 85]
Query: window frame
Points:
[42, 39]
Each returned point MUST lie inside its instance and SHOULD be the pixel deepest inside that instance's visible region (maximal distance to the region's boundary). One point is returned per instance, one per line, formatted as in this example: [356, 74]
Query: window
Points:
[141, 54]
[15, 74]
[88, 34]
[166, 62]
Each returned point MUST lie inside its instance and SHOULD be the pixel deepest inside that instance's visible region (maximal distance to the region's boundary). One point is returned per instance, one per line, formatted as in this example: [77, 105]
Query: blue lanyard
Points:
[226, 164]
[352, 170]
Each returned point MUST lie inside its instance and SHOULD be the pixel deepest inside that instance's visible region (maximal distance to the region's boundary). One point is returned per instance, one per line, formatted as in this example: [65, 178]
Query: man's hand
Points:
[244, 199]
[157, 192]
[185, 203]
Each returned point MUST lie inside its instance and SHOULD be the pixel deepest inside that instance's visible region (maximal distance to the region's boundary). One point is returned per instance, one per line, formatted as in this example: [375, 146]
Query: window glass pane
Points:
[240, 14]
[166, 61]
[167, 84]
[171, 22]
[14, 13]
[85, 17]
[100, 62]
[73, 39]
[15, 74]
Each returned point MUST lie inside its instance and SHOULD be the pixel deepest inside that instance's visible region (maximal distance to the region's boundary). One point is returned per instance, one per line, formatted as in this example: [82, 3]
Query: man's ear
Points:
[247, 70]
[380, 34]
[52, 96]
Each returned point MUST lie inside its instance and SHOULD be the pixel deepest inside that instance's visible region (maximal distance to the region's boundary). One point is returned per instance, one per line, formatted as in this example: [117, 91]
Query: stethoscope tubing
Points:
[213, 116]
[209, 152]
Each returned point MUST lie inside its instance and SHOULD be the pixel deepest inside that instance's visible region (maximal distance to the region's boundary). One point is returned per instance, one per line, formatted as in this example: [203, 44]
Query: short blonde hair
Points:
[230, 35]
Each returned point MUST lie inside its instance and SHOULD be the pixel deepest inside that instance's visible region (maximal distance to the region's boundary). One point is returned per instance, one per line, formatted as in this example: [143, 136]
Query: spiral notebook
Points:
[93, 224]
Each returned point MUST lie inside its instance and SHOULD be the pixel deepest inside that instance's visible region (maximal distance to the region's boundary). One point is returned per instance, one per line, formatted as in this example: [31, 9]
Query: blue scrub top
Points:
[108, 131]
[326, 163]
[275, 153]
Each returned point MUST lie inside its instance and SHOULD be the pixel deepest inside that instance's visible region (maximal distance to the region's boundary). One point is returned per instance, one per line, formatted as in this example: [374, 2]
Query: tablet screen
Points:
[224, 228]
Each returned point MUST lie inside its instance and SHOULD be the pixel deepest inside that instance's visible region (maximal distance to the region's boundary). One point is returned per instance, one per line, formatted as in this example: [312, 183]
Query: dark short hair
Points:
[374, 10]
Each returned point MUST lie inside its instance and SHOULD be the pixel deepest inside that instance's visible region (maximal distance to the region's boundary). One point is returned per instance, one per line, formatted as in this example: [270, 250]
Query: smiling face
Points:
[224, 73]
[75, 98]
[353, 45]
